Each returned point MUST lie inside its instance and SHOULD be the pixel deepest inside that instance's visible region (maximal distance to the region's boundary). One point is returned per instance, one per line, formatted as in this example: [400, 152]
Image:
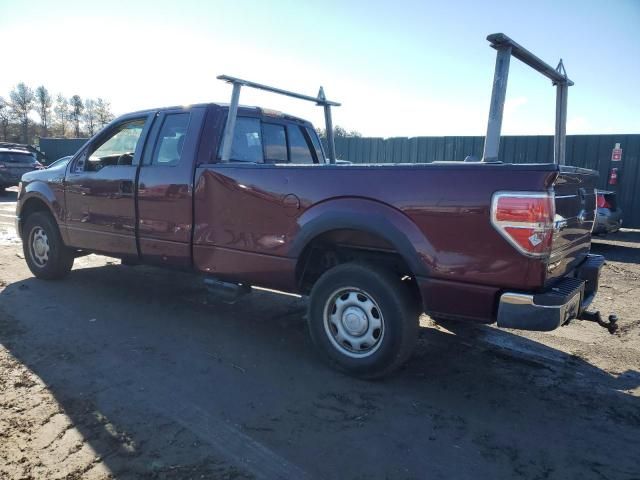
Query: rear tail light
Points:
[525, 220]
[603, 202]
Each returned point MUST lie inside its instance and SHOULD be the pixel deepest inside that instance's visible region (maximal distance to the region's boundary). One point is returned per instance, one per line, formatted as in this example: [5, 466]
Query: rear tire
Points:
[46, 255]
[363, 320]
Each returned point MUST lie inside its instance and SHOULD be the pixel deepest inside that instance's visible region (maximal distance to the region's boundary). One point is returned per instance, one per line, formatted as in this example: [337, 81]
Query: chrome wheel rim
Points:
[39, 246]
[353, 322]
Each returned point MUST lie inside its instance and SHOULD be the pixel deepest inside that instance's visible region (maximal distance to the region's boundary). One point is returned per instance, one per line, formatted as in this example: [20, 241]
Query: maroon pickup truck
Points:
[372, 245]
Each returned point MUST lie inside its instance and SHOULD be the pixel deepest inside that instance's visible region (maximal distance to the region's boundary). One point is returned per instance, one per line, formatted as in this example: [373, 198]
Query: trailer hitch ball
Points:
[611, 325]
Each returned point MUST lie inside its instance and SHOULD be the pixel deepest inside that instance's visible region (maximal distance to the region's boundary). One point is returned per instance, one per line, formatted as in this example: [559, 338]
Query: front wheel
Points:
[363, 319]
[46, 255]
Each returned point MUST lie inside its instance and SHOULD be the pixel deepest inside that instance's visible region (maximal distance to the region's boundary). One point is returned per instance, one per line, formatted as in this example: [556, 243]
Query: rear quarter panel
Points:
[248, 209]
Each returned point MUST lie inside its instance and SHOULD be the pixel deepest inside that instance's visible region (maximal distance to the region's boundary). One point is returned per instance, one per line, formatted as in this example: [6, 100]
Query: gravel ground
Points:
[127, 372]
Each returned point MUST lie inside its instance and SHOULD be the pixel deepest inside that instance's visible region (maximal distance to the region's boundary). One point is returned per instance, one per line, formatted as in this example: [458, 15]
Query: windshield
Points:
[15, 157]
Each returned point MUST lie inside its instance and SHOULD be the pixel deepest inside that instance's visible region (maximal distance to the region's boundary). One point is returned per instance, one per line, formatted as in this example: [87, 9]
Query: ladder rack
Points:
[238, 83]
[507, 48]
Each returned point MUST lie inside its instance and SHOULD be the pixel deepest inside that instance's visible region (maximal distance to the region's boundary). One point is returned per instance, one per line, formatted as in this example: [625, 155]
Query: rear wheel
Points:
[46, 255]
[363, 319]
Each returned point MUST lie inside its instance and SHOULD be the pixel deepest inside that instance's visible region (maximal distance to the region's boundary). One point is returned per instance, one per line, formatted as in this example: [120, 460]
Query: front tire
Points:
[46, 255]
[363, 320]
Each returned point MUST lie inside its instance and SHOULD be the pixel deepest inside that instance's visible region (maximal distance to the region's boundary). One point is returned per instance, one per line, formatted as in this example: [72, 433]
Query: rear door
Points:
[575, 204]
[165, 187]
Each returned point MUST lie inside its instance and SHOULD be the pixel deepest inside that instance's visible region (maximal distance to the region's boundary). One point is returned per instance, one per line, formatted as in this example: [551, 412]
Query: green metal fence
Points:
[55, 148]
[589, 151]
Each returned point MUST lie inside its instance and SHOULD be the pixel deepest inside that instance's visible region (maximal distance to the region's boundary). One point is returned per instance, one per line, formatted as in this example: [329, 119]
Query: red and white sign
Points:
[616, 153]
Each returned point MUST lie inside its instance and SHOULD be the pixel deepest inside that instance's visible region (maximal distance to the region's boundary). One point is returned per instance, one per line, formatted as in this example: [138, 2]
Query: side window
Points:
[170, 142]
[275, 143]
[247, 141]
[117, 149]
[298, 147]
[316, 144]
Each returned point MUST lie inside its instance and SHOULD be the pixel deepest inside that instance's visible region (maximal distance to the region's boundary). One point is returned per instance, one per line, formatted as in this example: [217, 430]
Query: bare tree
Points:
[339, 132]
[89, 116]
[43, 106]
[103, 112]
[61, 112]
[22, 103]
[5, 118]
[76, 113]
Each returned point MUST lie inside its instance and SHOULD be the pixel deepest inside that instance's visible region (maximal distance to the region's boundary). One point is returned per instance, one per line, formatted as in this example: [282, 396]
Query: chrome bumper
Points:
[518, 310]
[548, 310]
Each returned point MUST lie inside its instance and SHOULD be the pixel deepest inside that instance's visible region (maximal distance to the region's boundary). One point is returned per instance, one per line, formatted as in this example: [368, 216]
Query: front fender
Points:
[370, 216]
[39, 191]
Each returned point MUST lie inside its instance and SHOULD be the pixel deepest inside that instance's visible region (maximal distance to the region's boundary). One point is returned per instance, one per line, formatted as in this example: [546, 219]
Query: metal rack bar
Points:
[238, 83]
[506, 48]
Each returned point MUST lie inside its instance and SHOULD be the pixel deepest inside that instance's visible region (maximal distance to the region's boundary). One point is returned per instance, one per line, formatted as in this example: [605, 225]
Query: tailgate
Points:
[575, 205]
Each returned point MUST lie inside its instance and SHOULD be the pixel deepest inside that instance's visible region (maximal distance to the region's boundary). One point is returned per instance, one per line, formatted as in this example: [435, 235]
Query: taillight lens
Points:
[603, 202]
[525, 219]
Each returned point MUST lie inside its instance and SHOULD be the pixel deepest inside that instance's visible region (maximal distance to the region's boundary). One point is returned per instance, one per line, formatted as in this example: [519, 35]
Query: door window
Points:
[117, 149]
[298, 147]
[275, 143]
[171, 139]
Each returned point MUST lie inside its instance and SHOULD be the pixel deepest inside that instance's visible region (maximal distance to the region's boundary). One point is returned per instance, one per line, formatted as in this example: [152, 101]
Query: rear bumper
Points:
[608, 221]
[9, 179]
[548, 310]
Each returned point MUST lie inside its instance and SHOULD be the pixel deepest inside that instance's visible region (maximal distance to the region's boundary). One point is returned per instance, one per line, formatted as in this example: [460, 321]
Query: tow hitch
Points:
[611, 325]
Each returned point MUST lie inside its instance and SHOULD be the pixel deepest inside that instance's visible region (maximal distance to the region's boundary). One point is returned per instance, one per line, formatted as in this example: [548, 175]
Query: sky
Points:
[399, 68]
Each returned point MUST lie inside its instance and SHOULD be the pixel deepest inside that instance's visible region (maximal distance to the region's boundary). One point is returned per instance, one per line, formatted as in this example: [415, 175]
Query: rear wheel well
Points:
[340, 246]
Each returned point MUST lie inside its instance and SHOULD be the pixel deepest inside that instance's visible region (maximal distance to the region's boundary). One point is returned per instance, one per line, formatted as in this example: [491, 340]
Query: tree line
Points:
[70, 117]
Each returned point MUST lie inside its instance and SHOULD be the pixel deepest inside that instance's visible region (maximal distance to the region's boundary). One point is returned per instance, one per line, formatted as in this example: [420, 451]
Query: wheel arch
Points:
[36, 201]
[381, 228]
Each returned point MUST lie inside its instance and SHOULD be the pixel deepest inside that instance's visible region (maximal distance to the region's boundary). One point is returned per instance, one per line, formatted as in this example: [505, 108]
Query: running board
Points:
[226, 292]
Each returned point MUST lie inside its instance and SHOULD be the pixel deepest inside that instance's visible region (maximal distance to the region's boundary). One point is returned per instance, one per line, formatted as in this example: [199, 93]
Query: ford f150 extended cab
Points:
[372, 245]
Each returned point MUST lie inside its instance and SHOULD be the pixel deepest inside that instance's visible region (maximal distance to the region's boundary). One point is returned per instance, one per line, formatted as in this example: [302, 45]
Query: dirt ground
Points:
[127, 372]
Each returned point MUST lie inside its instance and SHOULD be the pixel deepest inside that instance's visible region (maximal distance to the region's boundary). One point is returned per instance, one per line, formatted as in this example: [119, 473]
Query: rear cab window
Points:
[275, 143]
[257, 140]
[298, 145]
[16, 157]
[317, 146]
[247, 141]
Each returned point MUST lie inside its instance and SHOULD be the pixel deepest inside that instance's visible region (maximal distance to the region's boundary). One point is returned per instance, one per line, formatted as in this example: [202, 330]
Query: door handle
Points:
[126, 186]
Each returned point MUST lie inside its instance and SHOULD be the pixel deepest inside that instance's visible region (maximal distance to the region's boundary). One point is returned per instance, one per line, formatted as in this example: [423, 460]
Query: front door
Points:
[99, 190]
